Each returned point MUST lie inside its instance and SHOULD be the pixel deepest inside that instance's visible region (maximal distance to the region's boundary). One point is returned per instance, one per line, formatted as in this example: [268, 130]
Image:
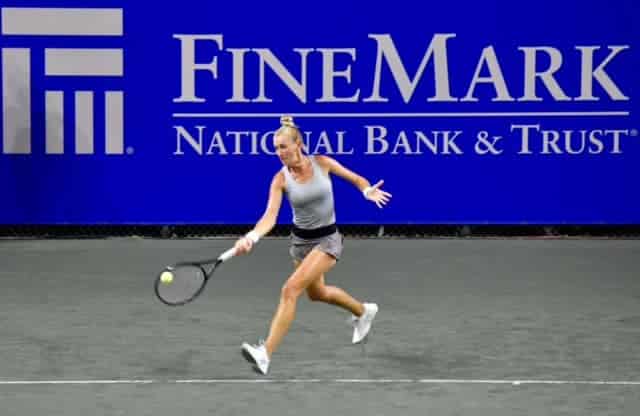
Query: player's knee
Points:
[289, 292]
[317, 295]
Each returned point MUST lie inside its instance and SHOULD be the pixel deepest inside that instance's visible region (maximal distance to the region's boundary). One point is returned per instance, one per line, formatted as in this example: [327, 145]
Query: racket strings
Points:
[185, 283]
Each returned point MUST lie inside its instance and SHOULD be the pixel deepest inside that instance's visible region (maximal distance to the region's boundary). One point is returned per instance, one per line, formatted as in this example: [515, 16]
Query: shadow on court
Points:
[459, 321]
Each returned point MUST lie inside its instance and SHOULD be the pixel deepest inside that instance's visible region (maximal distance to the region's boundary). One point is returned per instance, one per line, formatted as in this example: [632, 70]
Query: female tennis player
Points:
[316, 243]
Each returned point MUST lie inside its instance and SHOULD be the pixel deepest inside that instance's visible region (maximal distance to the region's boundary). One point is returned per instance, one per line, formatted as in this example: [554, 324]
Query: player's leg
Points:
[314, 264]
[318, 291]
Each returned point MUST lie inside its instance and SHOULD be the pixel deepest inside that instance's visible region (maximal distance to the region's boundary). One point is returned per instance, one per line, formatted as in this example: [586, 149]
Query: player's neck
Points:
[301, 165]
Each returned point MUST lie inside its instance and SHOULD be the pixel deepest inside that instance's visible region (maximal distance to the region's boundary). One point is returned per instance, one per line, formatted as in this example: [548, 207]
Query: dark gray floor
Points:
[515, 309]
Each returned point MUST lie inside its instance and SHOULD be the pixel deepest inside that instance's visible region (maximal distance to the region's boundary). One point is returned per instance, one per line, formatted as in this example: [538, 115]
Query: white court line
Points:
[48, 382]
[321, 381]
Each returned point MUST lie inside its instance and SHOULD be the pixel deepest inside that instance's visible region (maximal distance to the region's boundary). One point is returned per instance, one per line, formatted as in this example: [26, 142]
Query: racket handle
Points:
[227, 254]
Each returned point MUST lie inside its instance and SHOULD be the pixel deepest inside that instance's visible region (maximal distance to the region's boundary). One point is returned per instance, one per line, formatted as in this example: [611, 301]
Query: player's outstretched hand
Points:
[377, 195]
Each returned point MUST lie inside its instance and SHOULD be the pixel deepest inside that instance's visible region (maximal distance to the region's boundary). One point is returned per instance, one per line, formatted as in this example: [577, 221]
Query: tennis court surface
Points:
[466, 327]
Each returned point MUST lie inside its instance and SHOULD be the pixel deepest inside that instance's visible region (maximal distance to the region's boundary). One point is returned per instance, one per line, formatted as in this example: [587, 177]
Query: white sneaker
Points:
[362, 324]
[256, 355]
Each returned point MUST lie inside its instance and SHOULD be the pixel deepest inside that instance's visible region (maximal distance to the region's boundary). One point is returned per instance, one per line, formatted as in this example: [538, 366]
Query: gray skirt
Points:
[331, 244]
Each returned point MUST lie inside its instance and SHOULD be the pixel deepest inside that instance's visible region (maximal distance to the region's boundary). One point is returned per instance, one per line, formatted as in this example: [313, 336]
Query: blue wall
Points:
[408, 92]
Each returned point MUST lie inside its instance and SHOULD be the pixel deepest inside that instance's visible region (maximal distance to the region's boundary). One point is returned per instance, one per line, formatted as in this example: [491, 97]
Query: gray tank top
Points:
[312, 201]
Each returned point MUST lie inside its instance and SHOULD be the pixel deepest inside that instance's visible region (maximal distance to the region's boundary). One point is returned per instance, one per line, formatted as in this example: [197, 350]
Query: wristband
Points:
[366, 191]
[253, 236]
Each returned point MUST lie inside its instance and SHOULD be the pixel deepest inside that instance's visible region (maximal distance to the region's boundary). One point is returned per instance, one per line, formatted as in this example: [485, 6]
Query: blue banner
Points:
[123, 112]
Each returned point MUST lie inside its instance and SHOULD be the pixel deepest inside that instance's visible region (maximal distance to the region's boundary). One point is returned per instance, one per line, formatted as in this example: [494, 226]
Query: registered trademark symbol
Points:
[634, 132]
[130, 150]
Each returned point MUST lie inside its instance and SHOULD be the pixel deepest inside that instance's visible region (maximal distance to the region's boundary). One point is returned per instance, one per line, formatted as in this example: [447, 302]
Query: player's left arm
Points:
[371, 192]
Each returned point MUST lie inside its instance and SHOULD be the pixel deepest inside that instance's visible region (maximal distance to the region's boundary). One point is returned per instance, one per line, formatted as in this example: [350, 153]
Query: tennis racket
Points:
[183, 282]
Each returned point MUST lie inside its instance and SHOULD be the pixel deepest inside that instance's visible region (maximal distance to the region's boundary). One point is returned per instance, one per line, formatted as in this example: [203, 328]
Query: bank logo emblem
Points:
[18, 116]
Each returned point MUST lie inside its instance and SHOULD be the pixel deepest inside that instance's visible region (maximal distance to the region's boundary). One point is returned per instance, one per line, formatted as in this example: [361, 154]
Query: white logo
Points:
[17, 115]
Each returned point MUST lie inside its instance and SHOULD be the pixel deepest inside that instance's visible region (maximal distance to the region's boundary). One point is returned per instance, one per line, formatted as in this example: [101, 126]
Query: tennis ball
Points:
[166, 277]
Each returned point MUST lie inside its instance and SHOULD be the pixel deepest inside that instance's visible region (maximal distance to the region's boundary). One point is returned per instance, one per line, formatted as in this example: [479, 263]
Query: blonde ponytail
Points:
[289, 128]
[287, 121]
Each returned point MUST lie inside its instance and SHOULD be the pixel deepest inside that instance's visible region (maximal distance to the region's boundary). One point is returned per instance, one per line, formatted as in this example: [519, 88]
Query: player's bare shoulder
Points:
[278, 181]
[325, 162]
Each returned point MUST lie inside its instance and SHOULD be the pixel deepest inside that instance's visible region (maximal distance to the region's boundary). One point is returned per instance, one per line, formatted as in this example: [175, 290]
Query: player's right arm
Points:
[268, 219]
